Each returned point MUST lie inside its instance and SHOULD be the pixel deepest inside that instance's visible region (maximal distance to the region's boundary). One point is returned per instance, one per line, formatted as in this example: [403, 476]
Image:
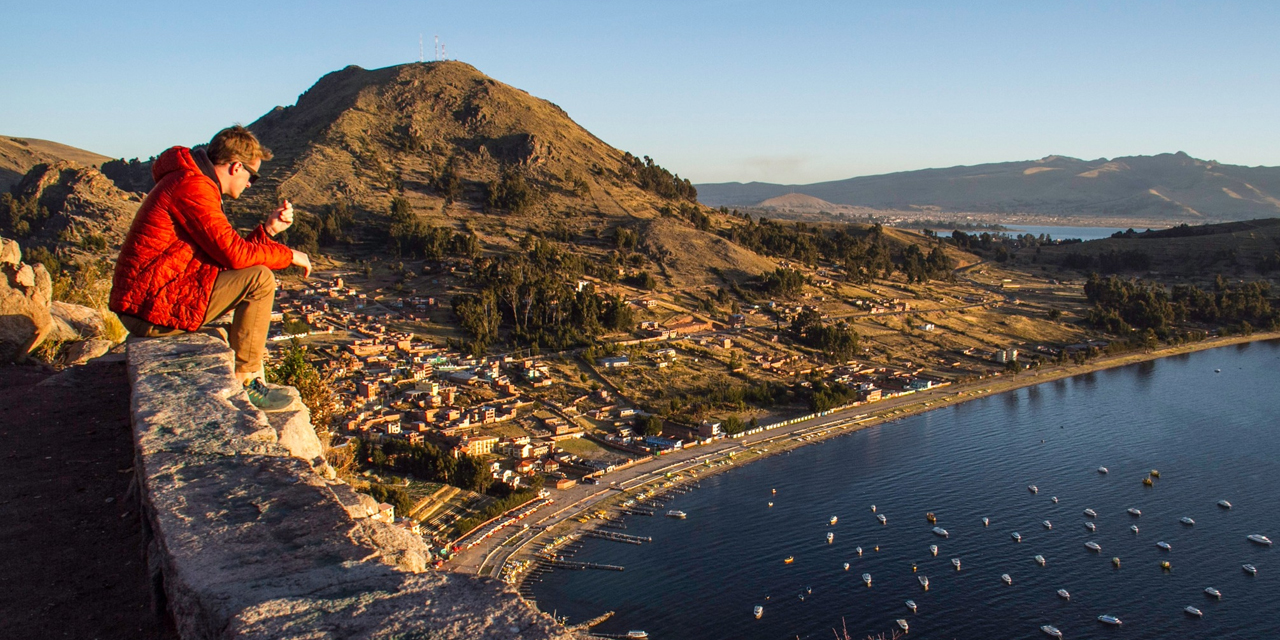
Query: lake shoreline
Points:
[737, 452]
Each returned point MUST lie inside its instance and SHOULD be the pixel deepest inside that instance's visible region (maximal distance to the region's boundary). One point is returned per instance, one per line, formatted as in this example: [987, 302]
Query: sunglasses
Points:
[253, 175]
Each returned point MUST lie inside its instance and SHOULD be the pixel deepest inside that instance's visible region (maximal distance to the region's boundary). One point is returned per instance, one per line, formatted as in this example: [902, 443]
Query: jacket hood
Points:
[173, 159]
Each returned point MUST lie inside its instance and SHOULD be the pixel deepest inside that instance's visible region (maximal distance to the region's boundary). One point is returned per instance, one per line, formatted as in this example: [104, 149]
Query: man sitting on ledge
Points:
[182, 265]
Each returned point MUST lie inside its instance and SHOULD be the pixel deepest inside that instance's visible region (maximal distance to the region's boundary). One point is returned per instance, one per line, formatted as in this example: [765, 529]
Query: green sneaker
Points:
[266, 398]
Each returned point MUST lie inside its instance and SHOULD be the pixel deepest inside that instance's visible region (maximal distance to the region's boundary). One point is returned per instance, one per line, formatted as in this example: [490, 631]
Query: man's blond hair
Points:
[236, 144]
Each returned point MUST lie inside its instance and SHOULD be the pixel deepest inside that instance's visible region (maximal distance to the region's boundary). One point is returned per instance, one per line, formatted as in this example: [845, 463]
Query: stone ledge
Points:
[245, 540]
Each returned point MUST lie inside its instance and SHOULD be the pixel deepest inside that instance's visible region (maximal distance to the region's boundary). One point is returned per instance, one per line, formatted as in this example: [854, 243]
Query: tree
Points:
[650, 425]
[315, 389]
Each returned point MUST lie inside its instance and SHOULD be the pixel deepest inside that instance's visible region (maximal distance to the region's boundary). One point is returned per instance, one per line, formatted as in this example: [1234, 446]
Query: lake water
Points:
[1066, 233]
[1211, 435]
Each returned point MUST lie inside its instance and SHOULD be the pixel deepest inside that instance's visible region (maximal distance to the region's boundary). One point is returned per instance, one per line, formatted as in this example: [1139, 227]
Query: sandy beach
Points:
[561, 518]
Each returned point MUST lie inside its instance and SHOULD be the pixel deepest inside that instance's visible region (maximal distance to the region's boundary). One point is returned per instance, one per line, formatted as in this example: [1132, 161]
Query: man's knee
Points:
[262, 280]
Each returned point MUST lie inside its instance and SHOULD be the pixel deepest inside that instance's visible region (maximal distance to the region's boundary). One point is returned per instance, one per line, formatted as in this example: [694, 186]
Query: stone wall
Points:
[248, 535]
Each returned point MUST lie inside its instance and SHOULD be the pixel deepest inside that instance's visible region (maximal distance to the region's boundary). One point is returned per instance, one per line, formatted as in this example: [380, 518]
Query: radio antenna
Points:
[420, 48]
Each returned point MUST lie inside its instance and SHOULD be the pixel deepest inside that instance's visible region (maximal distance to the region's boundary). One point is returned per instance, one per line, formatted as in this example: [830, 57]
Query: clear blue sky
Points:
[716, 91]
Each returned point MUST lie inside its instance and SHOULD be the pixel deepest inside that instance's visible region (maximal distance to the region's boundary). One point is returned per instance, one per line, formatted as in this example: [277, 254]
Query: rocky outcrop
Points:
[25, 292]
[247, 537]
[88, 215]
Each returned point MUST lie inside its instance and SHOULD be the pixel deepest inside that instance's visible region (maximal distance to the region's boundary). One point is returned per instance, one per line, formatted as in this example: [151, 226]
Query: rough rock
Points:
[86, 350]
[75, 322]
[244, 540]
[295, 432]
[25, 293]
[82, 204]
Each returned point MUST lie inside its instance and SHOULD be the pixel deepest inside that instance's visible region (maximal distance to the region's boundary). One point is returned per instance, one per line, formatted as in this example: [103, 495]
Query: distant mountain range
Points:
[1169, 186]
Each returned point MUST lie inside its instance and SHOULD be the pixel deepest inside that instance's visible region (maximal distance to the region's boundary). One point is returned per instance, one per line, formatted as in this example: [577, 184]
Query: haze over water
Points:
[1211, 435]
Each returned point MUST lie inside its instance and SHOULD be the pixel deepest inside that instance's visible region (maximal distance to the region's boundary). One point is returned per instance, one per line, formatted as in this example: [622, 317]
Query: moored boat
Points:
[1164, 545]
[911, 604]
[788, 560]
[866, 577]
[1249, 569]
[1051, 630]
[903, 623]
[930, 517]
[758, 611]
[1054, 499]
[1224, 504]
[1033, 489]
[830, 537]
[770, 504]
[1062, 593]
[956, 563]
[1111, 620]
[1187, 521]
[1166, 566]
[676, 513]
[873, 508]
[1007, 579]
[1259, 538]
[882, 519]
[1093, 546]
[924, 581]
[1134, 511]
[1091, 513]
[1116, 561]
[833, 520]
[1040, 560]
[858, 550]
[637, 634]
[1102, 470]
[1047, 524]
[1155, 474]
[933, 548]
[1147, 482]
[985, 521]
[939, 531]
[1090, 526]
[846, 566]
[1213, 592]
[1193, 611]
[1133, 528]
[1017, 537]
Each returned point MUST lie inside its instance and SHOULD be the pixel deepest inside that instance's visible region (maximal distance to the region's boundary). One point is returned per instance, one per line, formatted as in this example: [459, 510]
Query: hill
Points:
[18, 155]
[1166, 187]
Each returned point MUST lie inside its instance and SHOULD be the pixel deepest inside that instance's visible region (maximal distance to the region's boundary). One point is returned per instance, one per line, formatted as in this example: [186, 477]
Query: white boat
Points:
[1249, 569]
[676, 513]
[1006, 578]
[1033, 489]
[882, 519]
[759, 611]
[1090, 526]
[770, 504]
[637, 634]
[830, 537]
[866, 577]
[1259, 538]
[955, 562]
[985, 521]
[1040, 560]
[1213, 592]
[858, 550]
[924, 581]
[1187, 521]
[833, 520]
[911, 604]
[1112, 620]
[1093, 546]
[1102, 470]
[903, 623]
[1017, 537]
[1091, 513]
[873, 508]
[1064, 594]
[1047, 524]
[1133, 528]
[846, 566]
[1164, 545]
[933, 548]
[1051, 630]
[1193, 611]
[1224, 504]
[940, 532]
[1054, 499]
[1134, 512]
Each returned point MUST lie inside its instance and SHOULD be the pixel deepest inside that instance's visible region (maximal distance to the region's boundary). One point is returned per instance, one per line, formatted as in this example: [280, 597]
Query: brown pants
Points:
[250, 292]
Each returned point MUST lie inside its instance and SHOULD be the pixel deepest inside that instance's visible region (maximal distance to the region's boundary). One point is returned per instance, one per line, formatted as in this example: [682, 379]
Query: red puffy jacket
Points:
[179, 240]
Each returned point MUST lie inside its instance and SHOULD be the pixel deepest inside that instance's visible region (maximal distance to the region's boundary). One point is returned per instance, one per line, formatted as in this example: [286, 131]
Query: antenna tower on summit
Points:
[437, 48]
[420, 56]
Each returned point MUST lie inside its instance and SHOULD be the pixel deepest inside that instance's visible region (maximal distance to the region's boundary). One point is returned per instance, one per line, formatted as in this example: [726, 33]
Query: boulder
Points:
[75, 322]
[25, 294]
[85, 350]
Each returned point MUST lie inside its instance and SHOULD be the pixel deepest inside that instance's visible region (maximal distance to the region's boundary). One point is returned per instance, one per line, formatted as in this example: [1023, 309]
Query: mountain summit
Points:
[439, 133]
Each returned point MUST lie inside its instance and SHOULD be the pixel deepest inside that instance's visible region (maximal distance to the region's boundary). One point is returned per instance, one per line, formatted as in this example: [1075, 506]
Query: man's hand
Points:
[300, 259]
[280, 219]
